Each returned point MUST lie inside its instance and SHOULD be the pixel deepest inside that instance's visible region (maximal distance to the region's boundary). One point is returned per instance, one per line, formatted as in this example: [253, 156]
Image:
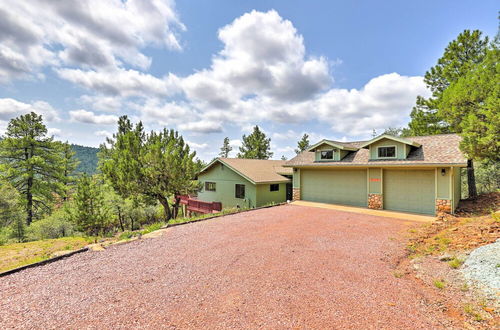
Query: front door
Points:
[289, 194]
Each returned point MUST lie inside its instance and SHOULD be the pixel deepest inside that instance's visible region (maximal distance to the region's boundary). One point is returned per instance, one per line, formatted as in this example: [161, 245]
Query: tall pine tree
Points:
[256, 145]
[303, 144]
[32, 163]
[459, 58]
[226, 148]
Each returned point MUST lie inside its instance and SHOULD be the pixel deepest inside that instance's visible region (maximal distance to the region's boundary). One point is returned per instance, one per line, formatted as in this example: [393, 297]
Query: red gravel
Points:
[282, 267]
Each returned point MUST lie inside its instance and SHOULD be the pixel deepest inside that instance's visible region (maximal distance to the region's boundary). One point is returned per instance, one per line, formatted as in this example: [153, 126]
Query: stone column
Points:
[443, 206]
[296, 194]
[375, 201]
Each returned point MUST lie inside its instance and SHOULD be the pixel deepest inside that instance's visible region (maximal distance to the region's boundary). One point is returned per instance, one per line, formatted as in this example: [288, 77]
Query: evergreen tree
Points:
[10, 208]
[255, 145]
[283, 157]
[459, 58]
[471, 106]
[89, 212]
[155, 166]
[226, 148]
[32, 163]
[303, 144]
[69, 165]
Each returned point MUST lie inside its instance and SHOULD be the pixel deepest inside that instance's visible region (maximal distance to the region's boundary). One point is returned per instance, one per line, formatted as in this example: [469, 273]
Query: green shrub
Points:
[455, 263]
[54, 226]
[152, 227]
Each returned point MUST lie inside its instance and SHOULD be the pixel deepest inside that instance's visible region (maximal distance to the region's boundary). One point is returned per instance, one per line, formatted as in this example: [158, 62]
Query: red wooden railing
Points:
[194, 205]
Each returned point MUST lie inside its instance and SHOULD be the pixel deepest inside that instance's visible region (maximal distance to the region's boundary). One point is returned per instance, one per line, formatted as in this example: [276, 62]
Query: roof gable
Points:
[255, 170]
[334, 144]
[390, 137]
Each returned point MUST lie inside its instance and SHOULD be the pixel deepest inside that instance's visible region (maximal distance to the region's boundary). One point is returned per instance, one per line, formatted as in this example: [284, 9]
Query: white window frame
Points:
[395, 152]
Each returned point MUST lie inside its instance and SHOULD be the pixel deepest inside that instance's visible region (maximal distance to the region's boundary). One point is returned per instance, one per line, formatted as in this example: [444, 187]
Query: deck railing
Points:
[195, 205]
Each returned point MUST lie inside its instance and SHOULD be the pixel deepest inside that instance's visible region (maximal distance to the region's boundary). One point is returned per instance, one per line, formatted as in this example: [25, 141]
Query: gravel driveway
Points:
[282, 267]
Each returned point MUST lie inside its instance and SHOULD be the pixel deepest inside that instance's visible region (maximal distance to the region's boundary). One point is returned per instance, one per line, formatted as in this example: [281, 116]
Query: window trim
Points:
[326, 159]
[390, 146]
[236, 190]
[207, 183]
[276, 185]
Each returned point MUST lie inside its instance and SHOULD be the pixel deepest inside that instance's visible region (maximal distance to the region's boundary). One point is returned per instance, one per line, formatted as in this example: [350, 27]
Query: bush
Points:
[54, 226]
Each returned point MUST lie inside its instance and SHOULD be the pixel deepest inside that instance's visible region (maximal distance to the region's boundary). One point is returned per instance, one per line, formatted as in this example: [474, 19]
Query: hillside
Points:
[87, 157]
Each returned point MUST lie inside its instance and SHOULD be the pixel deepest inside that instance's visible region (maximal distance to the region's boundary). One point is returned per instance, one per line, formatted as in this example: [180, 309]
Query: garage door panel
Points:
[336, 186]
[409, 190]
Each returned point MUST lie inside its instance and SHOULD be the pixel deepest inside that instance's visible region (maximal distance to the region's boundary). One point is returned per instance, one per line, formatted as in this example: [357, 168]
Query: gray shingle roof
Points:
[435, 149]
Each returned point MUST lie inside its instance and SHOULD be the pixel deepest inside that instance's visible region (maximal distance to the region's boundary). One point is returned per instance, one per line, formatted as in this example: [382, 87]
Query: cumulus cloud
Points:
[10, 108]
[121, 82]
[202, 127]
[92, 33]
[104, 133]
[88, 117]
[263, 56]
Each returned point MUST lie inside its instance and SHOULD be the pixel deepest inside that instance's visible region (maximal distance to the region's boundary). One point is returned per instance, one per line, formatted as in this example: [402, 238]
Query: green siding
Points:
[409, 190]
[335, 186]
[443, 183]
[343, 153]
[375, 180]
[265, 196]
[296, 178]
[317, 154]
[400, 148]
[225, 180]
[457, 172]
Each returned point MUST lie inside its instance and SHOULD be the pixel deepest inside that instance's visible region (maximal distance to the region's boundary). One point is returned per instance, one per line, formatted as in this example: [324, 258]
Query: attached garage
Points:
[335, 186]
[409, 190]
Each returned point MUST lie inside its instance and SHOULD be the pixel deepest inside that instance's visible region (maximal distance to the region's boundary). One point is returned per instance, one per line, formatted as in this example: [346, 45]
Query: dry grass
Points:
[20, 254]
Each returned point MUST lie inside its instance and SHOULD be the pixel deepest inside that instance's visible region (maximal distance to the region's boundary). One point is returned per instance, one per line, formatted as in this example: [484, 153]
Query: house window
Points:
[327, 155]
[274, 187]
[239, 191]
[210, 186]
[387, 152]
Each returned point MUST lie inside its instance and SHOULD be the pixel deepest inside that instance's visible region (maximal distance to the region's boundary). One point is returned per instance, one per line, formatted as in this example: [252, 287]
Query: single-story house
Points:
[412, 174]
[245, 182]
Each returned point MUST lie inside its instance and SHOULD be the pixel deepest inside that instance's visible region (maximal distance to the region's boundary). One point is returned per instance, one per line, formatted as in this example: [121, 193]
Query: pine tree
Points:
[303, 144]
[226, 148]
[69, 165]
[32, 163]
[155, 165]
[459, 58]
[255, 145]
[471, 105]
[90, 212]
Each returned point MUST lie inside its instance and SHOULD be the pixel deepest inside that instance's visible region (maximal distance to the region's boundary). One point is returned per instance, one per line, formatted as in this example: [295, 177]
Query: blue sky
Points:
[333, 69]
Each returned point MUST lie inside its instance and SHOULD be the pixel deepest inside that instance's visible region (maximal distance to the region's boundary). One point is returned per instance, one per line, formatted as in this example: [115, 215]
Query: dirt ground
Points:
[282, 267]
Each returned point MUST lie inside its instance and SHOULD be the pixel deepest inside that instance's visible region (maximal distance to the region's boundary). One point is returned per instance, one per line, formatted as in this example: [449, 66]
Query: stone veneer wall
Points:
[296, 194]
[443, 206]
[375, 201]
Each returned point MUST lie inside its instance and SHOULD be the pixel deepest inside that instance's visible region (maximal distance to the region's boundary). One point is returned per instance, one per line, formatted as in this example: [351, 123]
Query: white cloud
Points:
[88, 117]
[10, 108]
[121, 82]
[197, 145]
[104, 134]
[203, 126]
[102, 102]
[90, 34]
[54, 132]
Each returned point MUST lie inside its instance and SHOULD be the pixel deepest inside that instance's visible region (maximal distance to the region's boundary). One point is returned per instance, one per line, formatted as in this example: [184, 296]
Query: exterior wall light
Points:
[443, 171]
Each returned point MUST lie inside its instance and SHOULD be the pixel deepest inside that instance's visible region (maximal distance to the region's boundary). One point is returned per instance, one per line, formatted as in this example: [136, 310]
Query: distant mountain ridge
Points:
[87, 156]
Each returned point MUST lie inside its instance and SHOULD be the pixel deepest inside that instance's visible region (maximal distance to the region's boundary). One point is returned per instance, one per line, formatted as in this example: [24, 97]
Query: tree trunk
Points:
[29, 201]
[120, 218]
[471, 179]
[166, 208]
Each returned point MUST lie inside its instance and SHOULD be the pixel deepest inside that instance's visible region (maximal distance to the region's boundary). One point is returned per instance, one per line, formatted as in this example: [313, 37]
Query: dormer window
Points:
[327, 155]
[387, 152]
